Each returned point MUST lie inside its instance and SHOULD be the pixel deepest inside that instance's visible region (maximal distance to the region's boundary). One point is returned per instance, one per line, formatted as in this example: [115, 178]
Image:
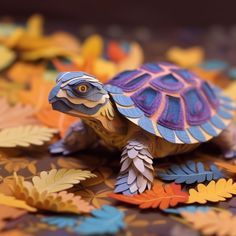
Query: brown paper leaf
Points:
[13, 116]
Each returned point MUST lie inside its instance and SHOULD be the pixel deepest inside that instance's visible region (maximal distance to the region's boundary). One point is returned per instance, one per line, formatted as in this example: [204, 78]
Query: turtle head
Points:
[78, 94]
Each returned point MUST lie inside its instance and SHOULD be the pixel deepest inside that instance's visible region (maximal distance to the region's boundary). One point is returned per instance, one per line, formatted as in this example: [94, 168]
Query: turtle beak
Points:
[53, 93]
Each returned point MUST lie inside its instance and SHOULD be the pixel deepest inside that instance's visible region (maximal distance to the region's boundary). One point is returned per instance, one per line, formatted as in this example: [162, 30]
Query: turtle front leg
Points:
[136, 173]
[78, 137]
[227, 141]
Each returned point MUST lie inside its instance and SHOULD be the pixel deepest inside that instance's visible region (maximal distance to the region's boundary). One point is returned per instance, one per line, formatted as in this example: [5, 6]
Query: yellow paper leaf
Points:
[7, 57]
[13, 202]
[212, 222]
[24, 136]
[213, 192]
[92, 47]
[186, 57]
[58, 180]
[35, 25]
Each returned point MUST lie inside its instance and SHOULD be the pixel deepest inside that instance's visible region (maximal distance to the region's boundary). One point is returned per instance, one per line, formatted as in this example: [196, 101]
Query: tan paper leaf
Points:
[212, 222]
[57, 202]
[13, 116]
[58, 180]
[24, 136]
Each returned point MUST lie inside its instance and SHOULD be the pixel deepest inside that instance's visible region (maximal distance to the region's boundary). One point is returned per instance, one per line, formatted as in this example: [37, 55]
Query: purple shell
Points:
[172, 96]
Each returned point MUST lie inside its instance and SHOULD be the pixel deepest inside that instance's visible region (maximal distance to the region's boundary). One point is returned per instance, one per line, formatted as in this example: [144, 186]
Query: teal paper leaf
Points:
[62, 221]
[107, 220]
[191, 209]
[190, 173]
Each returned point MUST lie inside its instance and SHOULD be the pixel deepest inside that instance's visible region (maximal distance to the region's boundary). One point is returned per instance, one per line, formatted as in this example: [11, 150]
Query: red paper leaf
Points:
[161, 196]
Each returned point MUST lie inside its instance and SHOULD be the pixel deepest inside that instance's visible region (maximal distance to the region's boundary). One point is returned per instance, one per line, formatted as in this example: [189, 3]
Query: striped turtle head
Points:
[78, 94]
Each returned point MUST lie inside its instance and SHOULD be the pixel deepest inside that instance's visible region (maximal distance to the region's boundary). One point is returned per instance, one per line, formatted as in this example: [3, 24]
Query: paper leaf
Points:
[7, 213]
[62, 221]
[37, 95]
[24, 136]
[7, 57]
[107, 220]
[134, 58]
[227, 166]
[55, 119]
[12, 116]
[161, 196]
[190, 173]
[186, 57]
[191, 209]
[92, 47]
[58, 180]
[13, 202]
[213, 192]
[57, 202]
[212, 222]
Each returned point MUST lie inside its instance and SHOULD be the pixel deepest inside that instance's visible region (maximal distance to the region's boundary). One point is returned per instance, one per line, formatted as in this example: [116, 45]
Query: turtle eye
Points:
[83, 88]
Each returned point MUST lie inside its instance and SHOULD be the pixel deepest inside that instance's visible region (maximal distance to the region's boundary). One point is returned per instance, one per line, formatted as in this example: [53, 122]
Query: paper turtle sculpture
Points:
[153, 111]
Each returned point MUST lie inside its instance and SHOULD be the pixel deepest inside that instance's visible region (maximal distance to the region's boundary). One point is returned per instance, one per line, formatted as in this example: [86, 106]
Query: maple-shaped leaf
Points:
[13, 202]
[213, 192]
[24, 136]
[37, 94]
[190, 173]
[12, 116]
[162, 196]
[212, 223]
[57, 202]
[107, 220]
[58, 180]
[55, 119]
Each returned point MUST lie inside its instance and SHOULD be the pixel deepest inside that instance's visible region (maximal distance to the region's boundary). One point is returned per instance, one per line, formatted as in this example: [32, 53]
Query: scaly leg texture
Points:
[78, 137]
[136, 174]
[227, 141]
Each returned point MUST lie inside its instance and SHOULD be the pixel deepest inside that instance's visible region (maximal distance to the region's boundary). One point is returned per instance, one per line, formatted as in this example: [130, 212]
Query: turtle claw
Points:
[230, 154]
[59, 148]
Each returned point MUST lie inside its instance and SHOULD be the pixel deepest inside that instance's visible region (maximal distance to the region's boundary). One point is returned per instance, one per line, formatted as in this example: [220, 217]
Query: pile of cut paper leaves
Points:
[41, 194]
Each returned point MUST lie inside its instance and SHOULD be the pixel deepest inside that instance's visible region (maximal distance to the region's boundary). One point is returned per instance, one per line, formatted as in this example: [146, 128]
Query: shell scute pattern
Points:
[171, 102]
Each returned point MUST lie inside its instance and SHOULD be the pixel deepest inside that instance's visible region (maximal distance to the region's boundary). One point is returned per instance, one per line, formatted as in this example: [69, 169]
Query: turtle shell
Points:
[171, 102]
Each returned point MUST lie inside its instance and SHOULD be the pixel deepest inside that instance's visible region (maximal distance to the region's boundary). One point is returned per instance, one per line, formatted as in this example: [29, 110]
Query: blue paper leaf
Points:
[190, 173]
[62, 221]
[191, 209]
[107, 220]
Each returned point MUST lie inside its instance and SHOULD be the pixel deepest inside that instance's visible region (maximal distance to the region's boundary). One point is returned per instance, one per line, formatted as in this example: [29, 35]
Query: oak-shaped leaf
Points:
[58, 180]
[107, 220]
[17, 115]
[212, 222]
[161, 196]
[190, 173]
[24, 136]
[212, 192]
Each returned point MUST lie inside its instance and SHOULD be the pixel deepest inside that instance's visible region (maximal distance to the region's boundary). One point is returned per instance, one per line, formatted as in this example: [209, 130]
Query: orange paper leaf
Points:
[55, 119]
[162, 196]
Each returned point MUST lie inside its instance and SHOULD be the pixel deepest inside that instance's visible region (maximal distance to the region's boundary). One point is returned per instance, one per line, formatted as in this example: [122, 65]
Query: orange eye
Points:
[82, 88]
